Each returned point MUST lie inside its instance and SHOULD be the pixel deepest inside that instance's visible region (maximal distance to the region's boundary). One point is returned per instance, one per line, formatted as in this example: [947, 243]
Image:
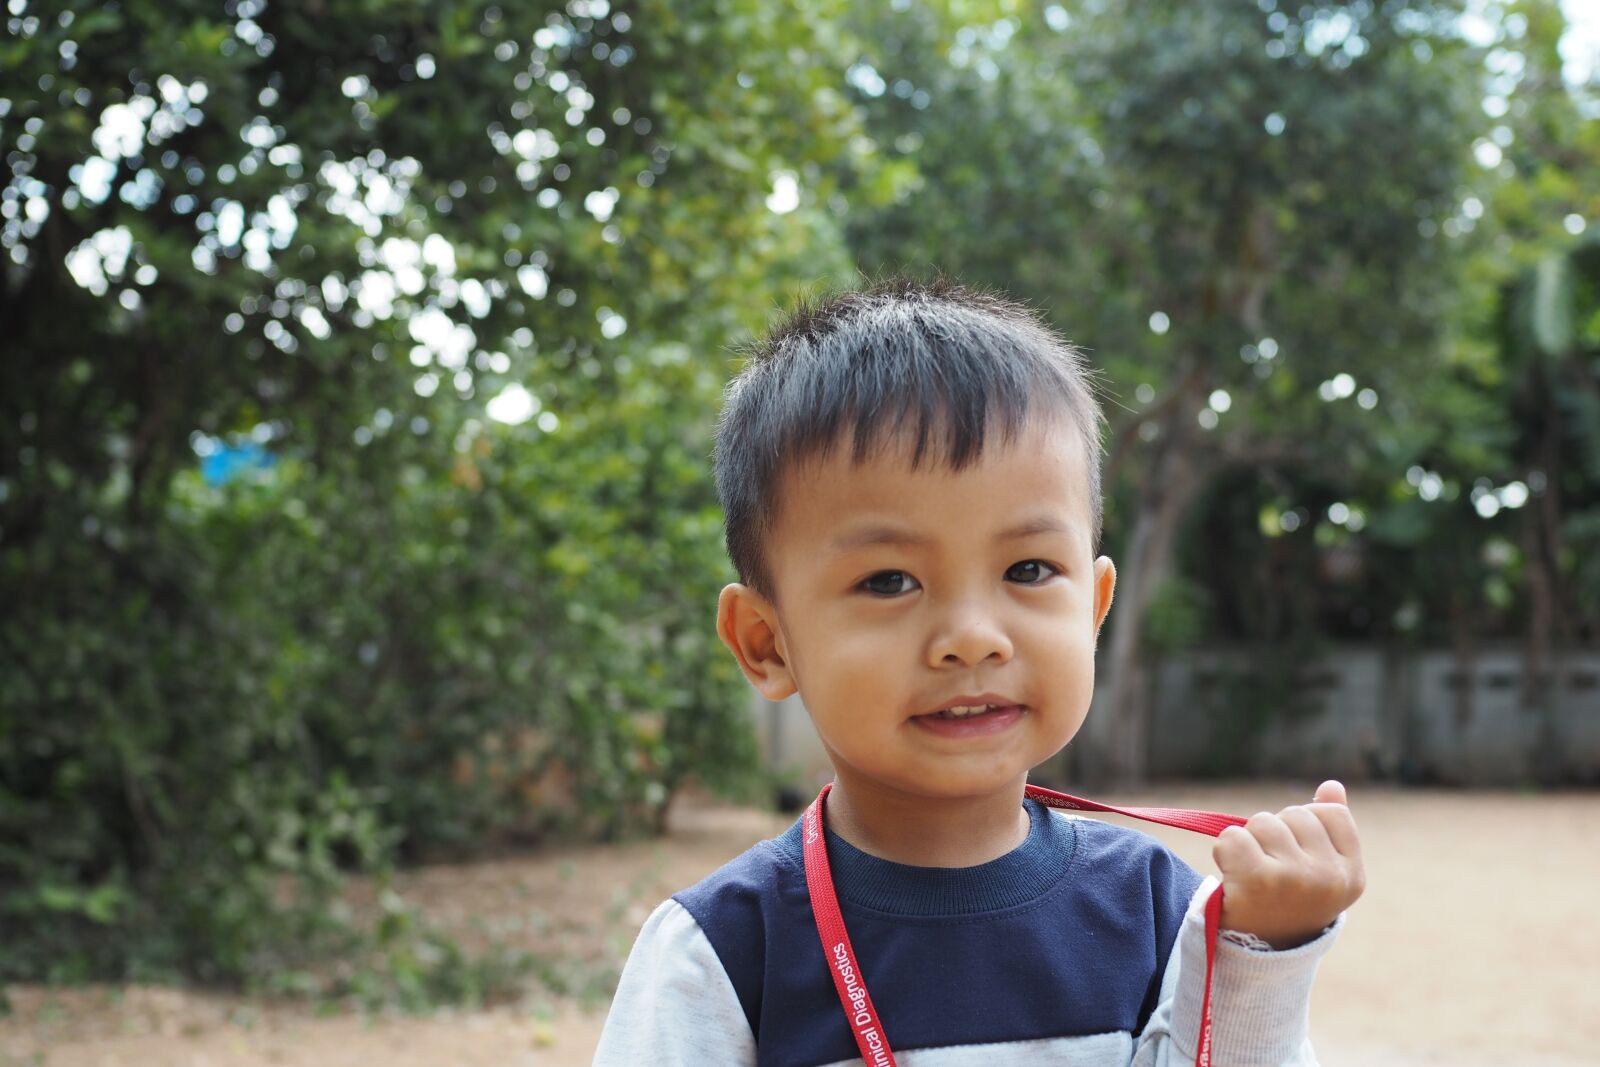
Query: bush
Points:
[315, 670]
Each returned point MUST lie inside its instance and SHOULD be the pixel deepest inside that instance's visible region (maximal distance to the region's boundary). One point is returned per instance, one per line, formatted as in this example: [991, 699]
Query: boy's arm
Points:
[1288, 879]
[675, 1006]
[1259, 999]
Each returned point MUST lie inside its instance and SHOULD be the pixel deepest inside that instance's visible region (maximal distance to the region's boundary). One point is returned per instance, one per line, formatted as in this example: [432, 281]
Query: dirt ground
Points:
[1475, 945]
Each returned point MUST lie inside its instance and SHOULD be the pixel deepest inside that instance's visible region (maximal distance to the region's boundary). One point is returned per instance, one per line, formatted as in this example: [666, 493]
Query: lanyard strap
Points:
[865, 1025]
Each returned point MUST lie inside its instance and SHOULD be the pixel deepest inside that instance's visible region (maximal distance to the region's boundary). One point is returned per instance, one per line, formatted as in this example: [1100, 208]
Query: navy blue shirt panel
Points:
[1082, 954]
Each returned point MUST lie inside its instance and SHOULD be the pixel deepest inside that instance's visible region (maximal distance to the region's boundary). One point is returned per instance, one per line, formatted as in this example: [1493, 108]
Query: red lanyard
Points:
[852, 986]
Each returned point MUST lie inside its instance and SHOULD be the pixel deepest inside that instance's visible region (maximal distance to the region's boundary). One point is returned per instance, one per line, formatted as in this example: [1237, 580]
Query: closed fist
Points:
[1285, 877]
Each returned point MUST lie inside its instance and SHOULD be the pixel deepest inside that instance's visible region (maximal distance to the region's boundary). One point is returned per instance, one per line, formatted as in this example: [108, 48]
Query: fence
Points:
[1358, 712]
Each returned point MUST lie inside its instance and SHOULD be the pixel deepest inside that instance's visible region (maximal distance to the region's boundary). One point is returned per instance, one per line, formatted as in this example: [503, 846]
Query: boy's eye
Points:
[889, 583]
[1030, 572]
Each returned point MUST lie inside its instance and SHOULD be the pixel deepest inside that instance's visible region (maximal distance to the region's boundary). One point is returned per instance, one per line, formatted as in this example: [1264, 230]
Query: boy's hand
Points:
[1285, 877]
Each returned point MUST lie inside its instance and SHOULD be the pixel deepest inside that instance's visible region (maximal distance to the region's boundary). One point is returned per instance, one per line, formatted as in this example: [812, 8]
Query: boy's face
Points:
[899, 591]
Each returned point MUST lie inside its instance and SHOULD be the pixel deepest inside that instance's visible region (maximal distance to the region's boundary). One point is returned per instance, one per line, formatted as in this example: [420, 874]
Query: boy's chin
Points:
[948, 784]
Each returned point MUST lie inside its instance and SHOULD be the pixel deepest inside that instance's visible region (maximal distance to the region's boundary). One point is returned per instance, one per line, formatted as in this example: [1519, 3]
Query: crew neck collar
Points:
[1021, 875]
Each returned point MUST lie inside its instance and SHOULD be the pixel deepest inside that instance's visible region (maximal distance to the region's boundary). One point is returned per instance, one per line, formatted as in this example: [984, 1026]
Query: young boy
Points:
[911, 481]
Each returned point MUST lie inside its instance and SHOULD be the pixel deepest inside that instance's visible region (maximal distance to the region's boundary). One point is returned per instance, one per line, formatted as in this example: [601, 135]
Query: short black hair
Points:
[936, 358]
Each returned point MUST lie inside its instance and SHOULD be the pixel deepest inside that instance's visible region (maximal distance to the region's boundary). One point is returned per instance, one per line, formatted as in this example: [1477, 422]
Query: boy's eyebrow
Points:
[884, 534]
[877, 535]
[1042, 525]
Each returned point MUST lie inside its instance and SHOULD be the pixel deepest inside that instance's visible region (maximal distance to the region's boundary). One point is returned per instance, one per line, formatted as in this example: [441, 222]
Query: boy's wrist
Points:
[1246, 940]
[1255, 943]
[1258, 1000]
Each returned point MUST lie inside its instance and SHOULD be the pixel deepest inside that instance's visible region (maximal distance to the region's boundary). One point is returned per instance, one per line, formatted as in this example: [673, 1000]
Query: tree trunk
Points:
[1179, 462]
[1117, 750]
[1550, 630]
[1462, 639]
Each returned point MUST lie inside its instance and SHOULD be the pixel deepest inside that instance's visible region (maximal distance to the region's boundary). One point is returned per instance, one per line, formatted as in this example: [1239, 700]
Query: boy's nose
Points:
[969, 638]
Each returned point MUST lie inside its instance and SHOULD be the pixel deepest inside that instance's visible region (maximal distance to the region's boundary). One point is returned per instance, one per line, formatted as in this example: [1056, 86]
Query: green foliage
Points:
[338, 233]
[1177, 616]
[413, 966]
[1300, 193]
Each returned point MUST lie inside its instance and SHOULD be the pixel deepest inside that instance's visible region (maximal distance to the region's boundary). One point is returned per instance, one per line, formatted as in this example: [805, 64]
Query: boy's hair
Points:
[937, 358]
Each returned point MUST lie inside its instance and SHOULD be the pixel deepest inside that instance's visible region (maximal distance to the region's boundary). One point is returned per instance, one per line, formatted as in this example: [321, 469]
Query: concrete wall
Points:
[789, 744]
[1360, 713]
[1363, 712]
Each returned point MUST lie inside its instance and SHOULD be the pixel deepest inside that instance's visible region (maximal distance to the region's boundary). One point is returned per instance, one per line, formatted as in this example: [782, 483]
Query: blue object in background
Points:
[230, 461]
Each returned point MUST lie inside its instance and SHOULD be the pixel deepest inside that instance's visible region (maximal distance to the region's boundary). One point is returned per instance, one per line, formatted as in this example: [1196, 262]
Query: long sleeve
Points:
[1260, 1001]
[675, 1006]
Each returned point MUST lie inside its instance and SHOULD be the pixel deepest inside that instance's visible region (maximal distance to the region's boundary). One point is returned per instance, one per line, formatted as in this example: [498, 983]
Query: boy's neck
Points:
[927, 832]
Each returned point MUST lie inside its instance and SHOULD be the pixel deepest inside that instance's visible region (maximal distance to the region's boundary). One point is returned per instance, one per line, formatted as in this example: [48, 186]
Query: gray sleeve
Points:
[675, 1006]
[1260, 1001]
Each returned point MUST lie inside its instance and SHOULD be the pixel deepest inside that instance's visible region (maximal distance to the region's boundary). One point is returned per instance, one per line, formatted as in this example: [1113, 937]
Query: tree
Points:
[1213, 198]
[452, 281]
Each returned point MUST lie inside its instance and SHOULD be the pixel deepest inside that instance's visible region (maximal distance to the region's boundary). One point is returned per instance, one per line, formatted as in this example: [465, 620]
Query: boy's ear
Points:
[1105, 581]
[747, 622]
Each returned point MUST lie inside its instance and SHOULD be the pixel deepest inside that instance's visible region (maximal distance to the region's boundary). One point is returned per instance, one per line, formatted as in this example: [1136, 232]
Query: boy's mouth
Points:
[970, 720]
[968, 705]
[967, 711]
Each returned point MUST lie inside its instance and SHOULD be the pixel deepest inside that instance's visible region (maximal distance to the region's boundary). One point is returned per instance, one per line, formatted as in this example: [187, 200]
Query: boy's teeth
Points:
[964, 711]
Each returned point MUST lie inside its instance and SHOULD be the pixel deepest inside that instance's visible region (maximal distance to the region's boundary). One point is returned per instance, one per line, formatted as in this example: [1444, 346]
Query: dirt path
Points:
[1476, 945]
